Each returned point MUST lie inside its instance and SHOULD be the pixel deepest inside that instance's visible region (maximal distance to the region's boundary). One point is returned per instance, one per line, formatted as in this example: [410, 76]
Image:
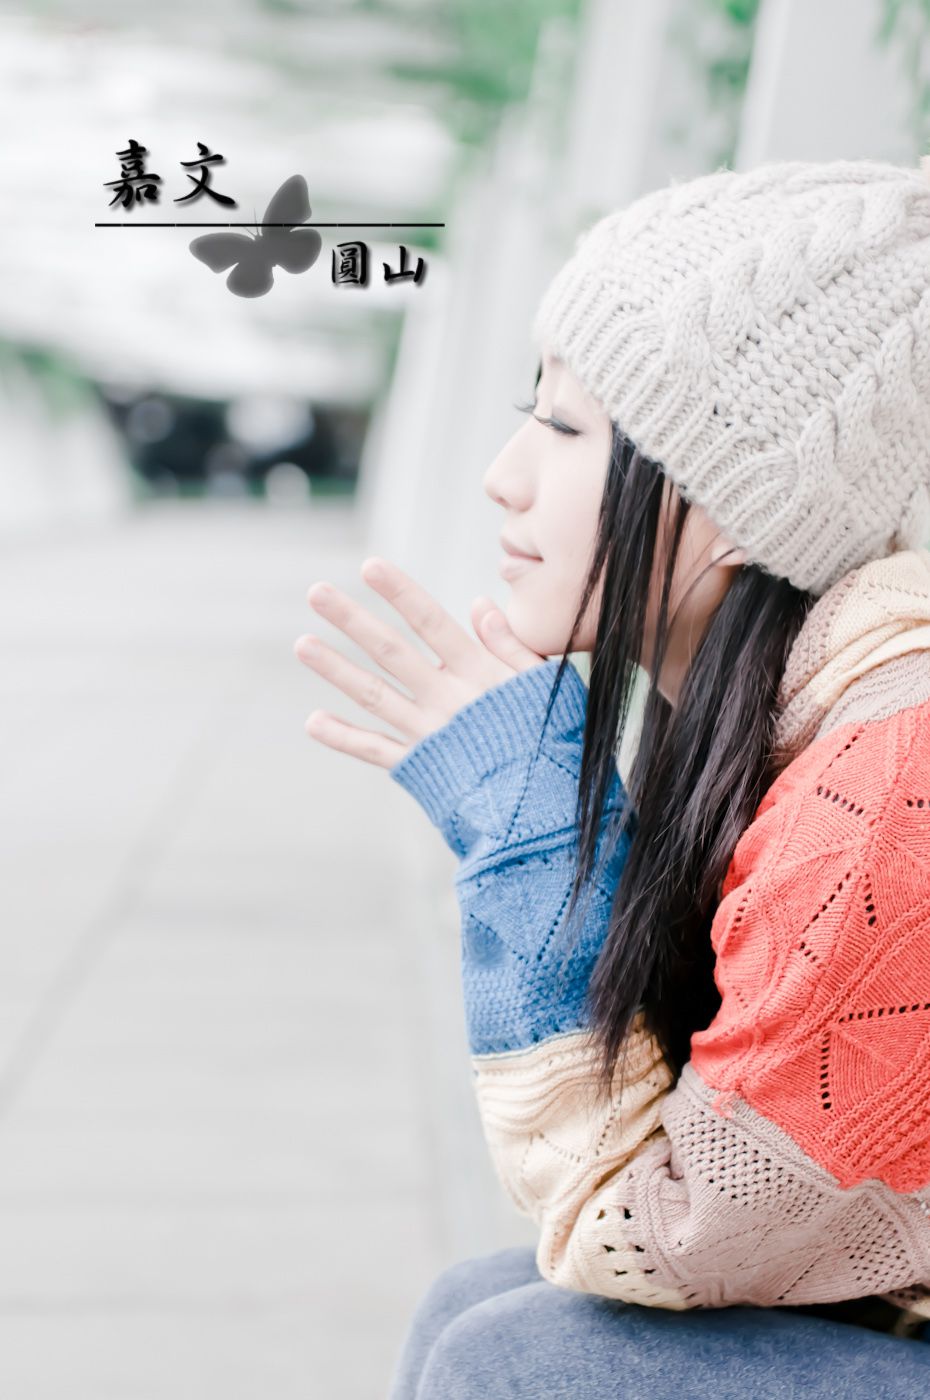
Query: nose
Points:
[509, 479]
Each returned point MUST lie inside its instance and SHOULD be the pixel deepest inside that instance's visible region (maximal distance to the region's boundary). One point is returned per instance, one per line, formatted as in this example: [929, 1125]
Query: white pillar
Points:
[56, 469]
[821, 87]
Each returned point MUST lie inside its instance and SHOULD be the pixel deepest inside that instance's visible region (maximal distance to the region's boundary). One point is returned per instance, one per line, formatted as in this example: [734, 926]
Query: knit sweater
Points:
[789, 1164]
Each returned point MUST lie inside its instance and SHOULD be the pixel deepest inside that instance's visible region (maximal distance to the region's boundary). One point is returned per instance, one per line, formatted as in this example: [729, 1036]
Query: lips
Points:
[517, 551]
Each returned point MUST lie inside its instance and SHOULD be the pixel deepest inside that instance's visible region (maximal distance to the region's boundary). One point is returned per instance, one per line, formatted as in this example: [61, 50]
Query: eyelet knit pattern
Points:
[790, 1162]
[765, 336]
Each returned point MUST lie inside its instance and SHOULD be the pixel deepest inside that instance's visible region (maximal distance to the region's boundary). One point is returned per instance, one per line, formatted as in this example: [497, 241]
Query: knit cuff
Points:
[497, 727]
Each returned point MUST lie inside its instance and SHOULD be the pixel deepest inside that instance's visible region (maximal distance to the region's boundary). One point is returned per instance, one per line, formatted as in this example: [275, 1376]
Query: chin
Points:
[535, 630]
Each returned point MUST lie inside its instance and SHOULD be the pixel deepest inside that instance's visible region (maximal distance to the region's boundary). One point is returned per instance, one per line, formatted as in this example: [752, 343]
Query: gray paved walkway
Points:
[237, 1137]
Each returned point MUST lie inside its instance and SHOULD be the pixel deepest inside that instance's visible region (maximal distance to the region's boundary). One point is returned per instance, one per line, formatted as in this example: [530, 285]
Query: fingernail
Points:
[496, 622]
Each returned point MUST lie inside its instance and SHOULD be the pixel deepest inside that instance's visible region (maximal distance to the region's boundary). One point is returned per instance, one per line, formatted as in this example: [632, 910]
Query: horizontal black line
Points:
[132, 223]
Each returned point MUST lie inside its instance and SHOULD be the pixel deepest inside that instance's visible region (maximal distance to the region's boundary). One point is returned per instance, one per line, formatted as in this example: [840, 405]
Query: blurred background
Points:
[237, 1137]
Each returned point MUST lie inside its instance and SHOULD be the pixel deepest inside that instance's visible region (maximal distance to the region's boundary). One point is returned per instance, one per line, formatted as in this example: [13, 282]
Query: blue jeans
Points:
[491, 1328]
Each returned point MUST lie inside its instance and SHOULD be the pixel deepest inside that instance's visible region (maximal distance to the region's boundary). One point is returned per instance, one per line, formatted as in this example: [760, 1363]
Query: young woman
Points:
[698, 1005]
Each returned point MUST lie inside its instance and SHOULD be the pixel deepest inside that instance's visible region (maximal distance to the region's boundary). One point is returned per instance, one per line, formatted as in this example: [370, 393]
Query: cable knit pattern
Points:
[790, 1162]
[765, 335]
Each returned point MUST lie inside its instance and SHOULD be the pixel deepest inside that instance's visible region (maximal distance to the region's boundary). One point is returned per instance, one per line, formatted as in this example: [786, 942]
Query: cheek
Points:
[541, 608]
[570, 523]
[542, 602]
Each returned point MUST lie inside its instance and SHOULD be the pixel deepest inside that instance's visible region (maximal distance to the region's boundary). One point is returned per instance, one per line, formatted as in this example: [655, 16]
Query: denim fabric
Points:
[490, 1328]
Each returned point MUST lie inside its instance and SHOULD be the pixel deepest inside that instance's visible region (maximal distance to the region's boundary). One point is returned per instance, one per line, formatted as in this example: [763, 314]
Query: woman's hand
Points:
[466, 668]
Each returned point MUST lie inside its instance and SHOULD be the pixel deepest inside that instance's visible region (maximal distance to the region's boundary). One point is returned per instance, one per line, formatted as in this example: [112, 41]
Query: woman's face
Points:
[550, 477]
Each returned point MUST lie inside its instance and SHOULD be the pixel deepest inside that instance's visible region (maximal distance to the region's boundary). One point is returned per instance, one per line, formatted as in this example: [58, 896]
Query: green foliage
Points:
[490, 48]
[724, 70]
[907, 24]
[740, 11]
[894, 11]
[727, 73]
[64, 388]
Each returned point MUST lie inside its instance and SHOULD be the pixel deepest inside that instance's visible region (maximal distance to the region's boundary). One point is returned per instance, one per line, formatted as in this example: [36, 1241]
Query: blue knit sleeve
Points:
[508, 813]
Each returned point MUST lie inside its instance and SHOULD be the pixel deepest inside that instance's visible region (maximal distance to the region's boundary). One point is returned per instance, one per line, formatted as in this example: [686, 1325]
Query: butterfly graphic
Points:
[255, 254]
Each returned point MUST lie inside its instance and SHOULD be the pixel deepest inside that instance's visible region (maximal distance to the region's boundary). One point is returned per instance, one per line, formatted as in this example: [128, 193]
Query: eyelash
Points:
[547, 422]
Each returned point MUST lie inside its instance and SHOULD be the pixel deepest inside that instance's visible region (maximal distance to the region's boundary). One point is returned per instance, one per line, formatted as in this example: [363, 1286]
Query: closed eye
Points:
[546, 422]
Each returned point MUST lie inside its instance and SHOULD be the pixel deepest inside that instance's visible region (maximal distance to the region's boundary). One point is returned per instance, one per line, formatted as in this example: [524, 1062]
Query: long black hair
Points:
[700, 768]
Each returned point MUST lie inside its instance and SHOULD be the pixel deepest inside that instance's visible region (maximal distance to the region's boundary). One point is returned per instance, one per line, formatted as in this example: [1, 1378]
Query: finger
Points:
[498, 636]
[372, 692]
[479, 607]
[365, 744]
[384, 644]
[440, 631]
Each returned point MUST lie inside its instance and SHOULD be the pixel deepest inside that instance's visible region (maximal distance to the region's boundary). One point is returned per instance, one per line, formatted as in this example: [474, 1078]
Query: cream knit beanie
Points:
[765, 337]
